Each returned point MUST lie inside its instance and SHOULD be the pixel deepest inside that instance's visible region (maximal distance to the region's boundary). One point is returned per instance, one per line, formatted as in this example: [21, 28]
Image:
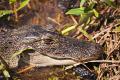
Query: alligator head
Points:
[49, 47]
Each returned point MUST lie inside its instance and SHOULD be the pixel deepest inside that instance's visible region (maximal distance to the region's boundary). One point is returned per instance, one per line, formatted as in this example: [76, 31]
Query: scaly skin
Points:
[49, 48]
[46, 43]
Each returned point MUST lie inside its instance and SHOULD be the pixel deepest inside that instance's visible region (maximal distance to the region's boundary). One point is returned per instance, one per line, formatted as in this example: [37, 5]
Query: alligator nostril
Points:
[10, 42]
[48, 41]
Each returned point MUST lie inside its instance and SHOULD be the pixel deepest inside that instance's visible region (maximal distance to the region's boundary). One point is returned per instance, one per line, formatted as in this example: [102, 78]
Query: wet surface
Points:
[45, 12]
[59, 73]
[52, 73]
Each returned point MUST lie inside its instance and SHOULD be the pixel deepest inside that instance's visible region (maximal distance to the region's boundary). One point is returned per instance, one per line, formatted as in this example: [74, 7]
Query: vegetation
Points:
[14, 10]
[107, 22]
[97, 21]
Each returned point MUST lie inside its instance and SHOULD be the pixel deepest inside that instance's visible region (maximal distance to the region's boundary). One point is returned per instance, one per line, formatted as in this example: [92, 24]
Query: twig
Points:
[113, 49]
[74, 20]
[53, 20]
[26, 69]
[108, 29]
[101, 61]
[106, 61]
[116, 77]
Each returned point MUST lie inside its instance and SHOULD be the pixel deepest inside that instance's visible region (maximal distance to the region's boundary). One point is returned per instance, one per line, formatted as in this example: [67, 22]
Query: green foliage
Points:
[117, 29]
[82, 2]
[22, 4]
[5, 12]
[76, 11]
[85, 16]
[86, 34]
[68, 29]
[20, 51]
[95, 13]
[12, 1]
[53, 78]
[83, 10]
[109, 2]
[4, 71]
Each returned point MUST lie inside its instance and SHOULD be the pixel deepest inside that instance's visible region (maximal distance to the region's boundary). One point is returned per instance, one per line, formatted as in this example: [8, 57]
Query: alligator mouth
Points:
[43, 61]
[78, 59]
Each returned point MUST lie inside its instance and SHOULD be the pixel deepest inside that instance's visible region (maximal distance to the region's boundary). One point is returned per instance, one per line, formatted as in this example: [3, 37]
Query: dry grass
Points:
[110, 40]
[102, 31]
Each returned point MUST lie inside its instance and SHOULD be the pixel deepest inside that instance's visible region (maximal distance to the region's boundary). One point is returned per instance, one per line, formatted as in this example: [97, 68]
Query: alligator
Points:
[48, 46]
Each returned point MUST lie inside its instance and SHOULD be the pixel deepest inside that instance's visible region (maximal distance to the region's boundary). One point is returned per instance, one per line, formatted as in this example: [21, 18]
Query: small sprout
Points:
[82, 2]
[22, 4]
[96, 13]
[76, 11]
[20, 51]
[53, 78]
[12, 1]
[4, 71]
[68, 29]
[117, 29]
[5, 12]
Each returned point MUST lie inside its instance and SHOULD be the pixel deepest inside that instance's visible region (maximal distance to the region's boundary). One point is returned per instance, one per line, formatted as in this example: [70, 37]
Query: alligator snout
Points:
[51, 48]
[50, 45]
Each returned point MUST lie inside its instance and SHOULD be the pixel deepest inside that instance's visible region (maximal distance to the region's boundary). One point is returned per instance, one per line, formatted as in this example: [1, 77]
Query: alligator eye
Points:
[48, 39]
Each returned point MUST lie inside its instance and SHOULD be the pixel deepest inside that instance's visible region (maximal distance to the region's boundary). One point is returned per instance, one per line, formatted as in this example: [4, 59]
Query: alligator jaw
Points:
[47, 61]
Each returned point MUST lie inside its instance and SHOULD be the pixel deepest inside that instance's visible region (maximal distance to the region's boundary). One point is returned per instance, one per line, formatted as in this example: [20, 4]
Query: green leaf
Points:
[82, 2]
[23, 4]
[117, 29]
[20, 51]
[91, 5]
[1, 66]
[86, 34]
[96, 13]
[68, 29]
[76, 11]
[88, 21]
[109, 2]
[5, 12]
[12, 1]
[6, 73]
[53, 78]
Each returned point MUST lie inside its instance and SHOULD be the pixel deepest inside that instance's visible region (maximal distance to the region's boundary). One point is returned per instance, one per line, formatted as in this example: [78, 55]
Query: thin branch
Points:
[106, 61]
